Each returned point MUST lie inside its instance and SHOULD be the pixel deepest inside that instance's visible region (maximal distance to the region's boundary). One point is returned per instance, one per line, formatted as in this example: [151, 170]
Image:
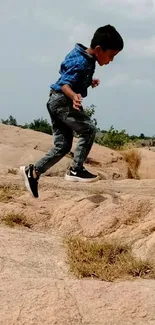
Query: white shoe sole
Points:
[24, 176]
[79, 179]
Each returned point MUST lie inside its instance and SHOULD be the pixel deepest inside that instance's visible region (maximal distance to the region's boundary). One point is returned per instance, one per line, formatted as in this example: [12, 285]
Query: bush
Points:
[90, 111]
[40, 125]
[114, 139]
[10, 121]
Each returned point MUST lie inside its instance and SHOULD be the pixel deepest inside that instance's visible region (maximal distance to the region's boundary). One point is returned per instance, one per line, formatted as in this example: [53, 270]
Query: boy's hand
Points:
[77, 99]
[95, 83]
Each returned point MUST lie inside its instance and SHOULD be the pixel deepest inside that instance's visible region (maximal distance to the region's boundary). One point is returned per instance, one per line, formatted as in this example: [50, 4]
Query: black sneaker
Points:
[80, 175]
[31, 183]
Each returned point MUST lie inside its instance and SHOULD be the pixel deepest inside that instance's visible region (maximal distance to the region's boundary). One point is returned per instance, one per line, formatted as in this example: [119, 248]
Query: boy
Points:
[66, 111]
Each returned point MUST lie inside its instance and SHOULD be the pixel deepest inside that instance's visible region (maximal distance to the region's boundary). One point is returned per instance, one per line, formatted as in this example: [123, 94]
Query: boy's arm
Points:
[76, 98]
[69, 79]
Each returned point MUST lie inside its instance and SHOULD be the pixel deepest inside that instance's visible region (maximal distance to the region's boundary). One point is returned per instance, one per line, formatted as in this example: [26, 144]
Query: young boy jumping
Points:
[66, 111]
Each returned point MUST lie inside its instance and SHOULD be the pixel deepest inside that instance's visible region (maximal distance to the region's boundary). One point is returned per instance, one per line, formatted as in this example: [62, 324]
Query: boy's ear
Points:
[97, 49]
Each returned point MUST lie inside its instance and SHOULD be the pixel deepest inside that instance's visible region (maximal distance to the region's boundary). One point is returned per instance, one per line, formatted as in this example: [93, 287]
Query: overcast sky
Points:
[37, 34]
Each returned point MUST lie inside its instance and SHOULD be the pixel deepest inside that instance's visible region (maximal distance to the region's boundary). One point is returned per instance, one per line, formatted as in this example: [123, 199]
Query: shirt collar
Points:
[82, 49]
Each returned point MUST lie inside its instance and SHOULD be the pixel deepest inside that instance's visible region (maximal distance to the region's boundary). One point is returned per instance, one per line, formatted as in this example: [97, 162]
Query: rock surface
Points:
[36, 286]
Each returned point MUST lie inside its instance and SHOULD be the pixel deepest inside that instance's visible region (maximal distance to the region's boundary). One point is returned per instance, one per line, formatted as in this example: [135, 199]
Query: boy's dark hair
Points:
[108, 38]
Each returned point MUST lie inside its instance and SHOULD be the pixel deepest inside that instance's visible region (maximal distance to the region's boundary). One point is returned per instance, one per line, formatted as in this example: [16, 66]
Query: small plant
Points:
[12, 171]
[133, 159]
[13, 219]
[106, 261]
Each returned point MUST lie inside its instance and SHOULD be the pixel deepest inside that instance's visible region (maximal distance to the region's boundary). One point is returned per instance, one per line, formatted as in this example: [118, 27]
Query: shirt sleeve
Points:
[71, 75]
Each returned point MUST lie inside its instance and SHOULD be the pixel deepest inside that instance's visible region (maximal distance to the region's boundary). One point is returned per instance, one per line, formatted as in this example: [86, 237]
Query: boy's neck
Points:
[90, 51]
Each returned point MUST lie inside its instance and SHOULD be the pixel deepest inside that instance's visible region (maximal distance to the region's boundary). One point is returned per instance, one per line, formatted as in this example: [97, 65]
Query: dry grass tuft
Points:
[12, 171]
[7, 193]
[13, 219]
[106, 261]
[129, 146]
[133, 159]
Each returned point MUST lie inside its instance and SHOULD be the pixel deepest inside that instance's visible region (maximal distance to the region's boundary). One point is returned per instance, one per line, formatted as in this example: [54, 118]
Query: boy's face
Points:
[104, 57]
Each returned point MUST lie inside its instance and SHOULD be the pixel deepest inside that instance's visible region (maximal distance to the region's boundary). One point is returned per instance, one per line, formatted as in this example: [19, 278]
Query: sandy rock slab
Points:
[36, 288]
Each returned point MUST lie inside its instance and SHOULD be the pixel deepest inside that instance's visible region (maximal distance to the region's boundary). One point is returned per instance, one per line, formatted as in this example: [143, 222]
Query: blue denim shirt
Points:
[76, 71]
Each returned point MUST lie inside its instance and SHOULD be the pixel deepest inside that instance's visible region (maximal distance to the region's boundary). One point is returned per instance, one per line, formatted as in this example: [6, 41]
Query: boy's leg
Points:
[84, 127]
[63, 137]
[79, 122]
